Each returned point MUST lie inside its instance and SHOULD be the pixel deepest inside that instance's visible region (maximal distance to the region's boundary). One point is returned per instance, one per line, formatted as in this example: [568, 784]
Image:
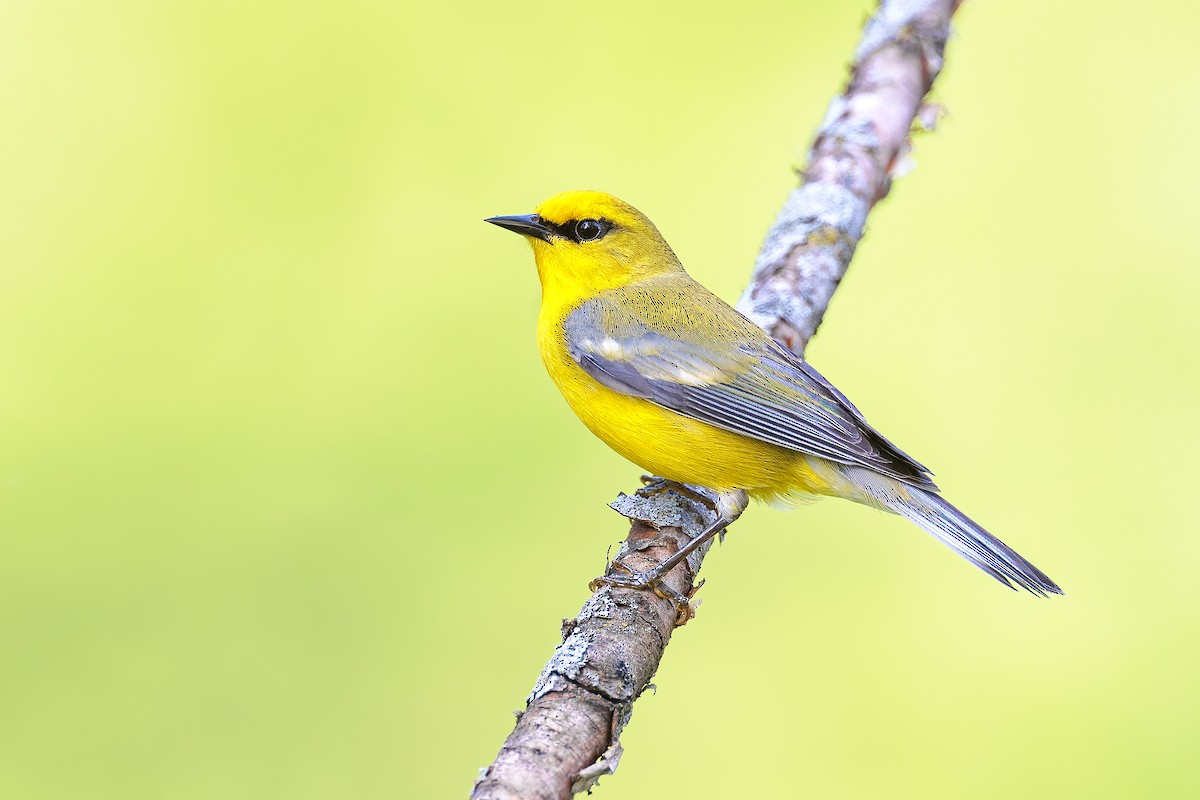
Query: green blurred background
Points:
[288, 508]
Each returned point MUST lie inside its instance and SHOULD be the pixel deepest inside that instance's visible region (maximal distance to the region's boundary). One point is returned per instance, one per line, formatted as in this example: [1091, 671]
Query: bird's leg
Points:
[729, 507]
[652, 579]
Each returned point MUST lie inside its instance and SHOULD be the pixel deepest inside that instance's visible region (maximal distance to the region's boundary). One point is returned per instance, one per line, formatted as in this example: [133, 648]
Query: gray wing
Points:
[755, 388]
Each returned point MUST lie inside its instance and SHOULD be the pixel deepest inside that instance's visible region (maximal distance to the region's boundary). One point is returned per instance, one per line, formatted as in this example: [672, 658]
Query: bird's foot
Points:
[651, 580]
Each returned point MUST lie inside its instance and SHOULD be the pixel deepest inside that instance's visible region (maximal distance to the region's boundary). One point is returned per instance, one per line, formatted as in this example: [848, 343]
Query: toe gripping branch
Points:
[676, 518]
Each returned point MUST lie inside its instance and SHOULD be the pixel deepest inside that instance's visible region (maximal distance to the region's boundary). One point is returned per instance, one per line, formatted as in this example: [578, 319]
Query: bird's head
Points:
[586, 242]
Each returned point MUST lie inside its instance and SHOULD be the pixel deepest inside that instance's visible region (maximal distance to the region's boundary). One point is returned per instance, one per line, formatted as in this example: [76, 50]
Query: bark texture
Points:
[569, 734]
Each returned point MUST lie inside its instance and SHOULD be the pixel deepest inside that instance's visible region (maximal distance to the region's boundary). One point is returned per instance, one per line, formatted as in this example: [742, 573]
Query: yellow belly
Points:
[671, 445]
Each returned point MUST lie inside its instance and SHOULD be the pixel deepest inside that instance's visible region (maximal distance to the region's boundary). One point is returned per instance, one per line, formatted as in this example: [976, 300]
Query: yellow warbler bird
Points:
[678, 382]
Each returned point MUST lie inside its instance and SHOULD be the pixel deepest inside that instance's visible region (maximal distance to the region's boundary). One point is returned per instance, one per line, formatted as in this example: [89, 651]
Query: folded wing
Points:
[724, 371]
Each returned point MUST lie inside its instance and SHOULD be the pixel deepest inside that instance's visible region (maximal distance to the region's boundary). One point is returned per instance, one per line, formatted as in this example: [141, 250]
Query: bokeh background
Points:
[288, 508]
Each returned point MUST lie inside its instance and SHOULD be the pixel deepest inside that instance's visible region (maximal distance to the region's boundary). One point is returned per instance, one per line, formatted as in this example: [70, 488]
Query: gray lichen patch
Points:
[571, 657]
[889, 23]
[809, 208]
[663, 510]
[567, 662]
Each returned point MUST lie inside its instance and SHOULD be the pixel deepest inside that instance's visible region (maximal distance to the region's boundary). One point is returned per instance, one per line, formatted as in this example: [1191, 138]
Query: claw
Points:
[630, 580]
[727, 506]
[684, 610]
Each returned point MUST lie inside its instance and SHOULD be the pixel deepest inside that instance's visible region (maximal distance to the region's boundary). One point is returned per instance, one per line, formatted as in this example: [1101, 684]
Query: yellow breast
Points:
[663, 442]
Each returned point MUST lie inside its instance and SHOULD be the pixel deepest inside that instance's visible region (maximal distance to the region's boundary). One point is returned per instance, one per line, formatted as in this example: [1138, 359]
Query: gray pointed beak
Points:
[524, 224]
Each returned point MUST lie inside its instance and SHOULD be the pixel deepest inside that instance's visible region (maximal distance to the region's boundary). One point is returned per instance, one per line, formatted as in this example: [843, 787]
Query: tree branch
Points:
[569, 733]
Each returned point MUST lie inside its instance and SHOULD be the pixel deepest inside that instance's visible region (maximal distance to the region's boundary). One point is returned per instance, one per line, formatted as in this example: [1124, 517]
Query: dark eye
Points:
[588, 229]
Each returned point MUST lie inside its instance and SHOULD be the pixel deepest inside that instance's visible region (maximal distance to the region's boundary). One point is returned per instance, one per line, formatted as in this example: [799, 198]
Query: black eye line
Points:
[567, 229]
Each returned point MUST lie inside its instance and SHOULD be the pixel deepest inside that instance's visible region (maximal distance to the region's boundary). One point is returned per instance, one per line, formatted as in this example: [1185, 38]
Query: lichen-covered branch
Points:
[569, 733]
[863, 139]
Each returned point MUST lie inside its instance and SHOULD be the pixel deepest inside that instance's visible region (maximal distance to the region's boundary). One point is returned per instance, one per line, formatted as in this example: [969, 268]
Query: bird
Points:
[680, 383]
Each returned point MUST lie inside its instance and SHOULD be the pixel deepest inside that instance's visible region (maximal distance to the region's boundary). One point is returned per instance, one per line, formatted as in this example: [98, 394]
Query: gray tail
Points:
[956, 530]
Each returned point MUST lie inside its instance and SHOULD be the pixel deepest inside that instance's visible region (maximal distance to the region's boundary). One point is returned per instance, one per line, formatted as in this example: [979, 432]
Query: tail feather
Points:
[958, 532]
[936, 516]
